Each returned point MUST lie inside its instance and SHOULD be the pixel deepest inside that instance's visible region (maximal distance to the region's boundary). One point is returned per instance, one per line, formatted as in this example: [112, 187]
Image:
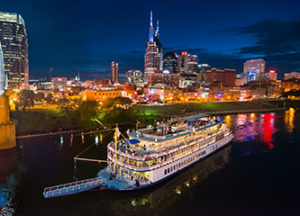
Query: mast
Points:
[116, 146]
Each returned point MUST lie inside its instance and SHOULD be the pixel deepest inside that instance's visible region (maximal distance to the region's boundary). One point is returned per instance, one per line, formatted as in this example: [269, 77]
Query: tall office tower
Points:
[187, 63]
[170, 62]
[153, 55]
[2, 73]
[14, 41]
[182, 62]
[114, 72]
[158, 45]
[192, 64]
[253, 69]
[203, 70]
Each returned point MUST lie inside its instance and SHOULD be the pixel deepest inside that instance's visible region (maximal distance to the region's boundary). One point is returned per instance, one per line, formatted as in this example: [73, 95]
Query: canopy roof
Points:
[133, 141]
[193, 118]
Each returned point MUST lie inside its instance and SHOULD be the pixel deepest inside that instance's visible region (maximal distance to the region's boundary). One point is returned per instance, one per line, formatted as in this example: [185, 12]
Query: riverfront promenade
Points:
[223, 108]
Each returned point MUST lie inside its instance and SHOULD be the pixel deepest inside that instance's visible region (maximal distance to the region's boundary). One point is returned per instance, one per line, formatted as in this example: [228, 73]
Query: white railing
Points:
[72, 187]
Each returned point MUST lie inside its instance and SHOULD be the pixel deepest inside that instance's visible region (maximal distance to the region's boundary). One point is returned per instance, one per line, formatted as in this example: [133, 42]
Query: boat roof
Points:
[133, 141]
[157, 139]
[193, 118]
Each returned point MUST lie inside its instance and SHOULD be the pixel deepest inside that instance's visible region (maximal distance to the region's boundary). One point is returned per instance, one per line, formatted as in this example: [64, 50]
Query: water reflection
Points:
[268, 129]
[227, 120]
[255, 130]
[289, 119]
[96, 140]
[10, 180]
[47, 165]
[164, 196]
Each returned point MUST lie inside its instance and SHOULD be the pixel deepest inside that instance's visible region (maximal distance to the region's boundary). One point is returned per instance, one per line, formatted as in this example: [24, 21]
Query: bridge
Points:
[73, 187]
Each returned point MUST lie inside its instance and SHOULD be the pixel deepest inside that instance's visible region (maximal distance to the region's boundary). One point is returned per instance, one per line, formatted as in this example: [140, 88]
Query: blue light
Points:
[251, 76]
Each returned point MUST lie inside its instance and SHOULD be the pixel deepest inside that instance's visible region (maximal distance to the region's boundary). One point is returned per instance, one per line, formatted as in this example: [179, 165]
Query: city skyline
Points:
[85, 36]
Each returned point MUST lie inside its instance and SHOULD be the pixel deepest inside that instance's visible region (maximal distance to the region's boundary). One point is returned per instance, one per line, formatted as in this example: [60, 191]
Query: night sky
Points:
[68, 36]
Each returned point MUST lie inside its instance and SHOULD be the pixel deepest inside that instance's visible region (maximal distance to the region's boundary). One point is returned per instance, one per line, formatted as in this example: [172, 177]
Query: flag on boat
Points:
[219, 118]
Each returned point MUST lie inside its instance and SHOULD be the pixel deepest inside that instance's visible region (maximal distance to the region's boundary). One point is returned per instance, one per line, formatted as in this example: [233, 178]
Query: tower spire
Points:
[151, 27]
[157, 29]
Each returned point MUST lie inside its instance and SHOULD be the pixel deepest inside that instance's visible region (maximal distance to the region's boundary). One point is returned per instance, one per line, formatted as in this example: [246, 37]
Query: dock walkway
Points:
[73, 187]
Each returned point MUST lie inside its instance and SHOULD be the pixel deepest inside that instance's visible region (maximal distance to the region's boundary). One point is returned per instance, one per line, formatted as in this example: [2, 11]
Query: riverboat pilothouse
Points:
[153, 154]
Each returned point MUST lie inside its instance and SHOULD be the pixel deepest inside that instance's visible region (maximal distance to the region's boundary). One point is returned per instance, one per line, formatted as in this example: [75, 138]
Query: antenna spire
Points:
[151, 27]
[157, 29]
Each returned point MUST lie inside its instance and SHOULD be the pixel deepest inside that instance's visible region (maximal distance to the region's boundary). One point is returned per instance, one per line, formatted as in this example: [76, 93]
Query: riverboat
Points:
[153, 154]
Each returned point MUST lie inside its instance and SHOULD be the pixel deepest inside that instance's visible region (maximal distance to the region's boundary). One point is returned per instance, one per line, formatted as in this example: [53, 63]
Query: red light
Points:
[271, 71]
[184, 53]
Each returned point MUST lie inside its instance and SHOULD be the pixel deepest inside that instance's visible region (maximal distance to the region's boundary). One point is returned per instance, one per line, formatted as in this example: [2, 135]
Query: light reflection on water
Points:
[289, 119]
[255, 130]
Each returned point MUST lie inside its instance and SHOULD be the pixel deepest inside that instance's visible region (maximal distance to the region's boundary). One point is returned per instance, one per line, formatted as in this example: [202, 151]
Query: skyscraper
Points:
[153, 55]
[14, 41]
[2, 73]
[114, 72]
[253, 68]
[170, 62]
[187, 63]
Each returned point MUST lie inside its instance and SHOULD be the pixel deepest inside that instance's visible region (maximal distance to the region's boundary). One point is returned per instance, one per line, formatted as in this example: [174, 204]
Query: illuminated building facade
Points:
[153, 55]
[187, 80]
[226, 76]
[253, 68]
[272, 75]
[170, 62]
[290, 84]
[102, 82]
[292, 75]
[134, 76]
[114, 72]
[100, 95]
[163, 78]
[59, 82]
[192, 64]
[182, 62]
[202, 70]
[14, 42]
[187, 63]
[165, 94]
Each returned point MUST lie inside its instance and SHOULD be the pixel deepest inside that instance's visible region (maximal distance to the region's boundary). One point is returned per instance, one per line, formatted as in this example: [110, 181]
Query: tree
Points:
[64, 104]
[118, 110]
[117, 102]
[49, 98]
[40, 96]
[88, 110]
[26, 99]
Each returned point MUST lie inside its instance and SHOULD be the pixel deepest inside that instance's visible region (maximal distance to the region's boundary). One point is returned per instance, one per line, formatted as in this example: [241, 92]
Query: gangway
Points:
[73, 187]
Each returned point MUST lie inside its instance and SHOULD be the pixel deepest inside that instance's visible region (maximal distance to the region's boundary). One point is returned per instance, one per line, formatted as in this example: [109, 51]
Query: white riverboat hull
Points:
[166, 171]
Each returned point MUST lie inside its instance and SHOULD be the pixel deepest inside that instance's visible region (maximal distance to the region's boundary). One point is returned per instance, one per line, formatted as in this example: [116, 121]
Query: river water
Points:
[257, 174]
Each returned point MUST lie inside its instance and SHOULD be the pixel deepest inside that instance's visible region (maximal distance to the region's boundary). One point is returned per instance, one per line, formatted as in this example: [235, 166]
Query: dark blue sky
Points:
[68, 36]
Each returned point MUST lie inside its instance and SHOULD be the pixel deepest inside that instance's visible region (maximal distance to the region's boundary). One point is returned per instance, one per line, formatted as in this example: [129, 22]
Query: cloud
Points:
[273, 37]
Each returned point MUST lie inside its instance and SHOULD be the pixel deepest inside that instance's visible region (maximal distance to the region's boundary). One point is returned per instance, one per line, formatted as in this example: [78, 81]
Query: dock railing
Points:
[72, 187]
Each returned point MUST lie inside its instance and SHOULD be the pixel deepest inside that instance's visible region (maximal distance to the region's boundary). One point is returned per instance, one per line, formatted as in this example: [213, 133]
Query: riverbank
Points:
[56, 121]
[211, 108]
